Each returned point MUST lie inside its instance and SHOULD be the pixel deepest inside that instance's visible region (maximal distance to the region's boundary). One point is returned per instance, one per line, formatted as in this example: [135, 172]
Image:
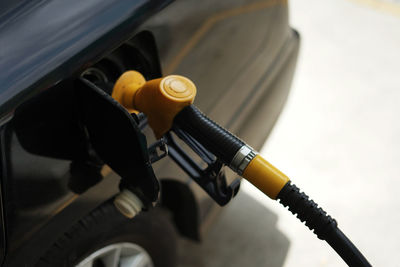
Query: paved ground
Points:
[339, 140]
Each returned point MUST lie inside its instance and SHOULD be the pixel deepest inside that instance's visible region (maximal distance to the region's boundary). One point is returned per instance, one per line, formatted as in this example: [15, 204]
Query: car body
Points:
[240, 54]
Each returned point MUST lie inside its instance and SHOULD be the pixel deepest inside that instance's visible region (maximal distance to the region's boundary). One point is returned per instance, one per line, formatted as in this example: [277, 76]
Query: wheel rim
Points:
[118, 255]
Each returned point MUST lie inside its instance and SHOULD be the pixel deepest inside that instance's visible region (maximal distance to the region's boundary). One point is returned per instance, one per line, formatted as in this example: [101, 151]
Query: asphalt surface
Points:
[338, 139]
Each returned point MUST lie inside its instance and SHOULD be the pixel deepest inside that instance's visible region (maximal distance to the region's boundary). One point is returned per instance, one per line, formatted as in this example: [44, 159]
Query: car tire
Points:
[104, 228]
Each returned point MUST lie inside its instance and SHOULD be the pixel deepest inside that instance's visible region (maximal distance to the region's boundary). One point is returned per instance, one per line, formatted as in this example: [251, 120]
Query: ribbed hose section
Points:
[307, 210]
[324, 226]
[215, 138]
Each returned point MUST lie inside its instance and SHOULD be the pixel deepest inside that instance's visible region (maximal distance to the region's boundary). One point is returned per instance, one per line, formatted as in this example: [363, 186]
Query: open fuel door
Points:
[72, 119]
[116, 138]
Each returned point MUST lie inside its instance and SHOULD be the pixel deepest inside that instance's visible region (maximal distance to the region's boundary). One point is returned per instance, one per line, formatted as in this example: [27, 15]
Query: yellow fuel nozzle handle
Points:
[167, 101]
[160, 99]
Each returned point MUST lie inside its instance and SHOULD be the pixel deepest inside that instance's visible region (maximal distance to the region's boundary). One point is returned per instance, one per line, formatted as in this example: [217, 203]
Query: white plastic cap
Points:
[128, 203]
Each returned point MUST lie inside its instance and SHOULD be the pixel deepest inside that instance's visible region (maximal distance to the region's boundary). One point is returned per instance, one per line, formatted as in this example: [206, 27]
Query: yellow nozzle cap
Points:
[160, 99]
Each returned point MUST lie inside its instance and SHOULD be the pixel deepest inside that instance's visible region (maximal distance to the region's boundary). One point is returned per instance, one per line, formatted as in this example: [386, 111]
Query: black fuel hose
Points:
[225, 146]
[324, 226]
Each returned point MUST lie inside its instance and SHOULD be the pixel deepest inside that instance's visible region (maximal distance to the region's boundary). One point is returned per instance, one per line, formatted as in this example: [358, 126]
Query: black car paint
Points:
[46, 42]
[43, 41]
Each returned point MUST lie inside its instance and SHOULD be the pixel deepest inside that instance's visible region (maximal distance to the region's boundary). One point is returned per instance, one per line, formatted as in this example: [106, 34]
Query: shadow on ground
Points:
[245, 234]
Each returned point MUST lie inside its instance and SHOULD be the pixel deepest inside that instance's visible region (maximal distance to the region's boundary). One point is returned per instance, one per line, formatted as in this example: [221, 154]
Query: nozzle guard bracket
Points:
[211, 178]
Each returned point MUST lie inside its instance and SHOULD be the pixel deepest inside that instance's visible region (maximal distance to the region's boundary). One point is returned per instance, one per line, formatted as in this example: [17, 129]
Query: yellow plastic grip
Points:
[126, 87]
[160, 99]
[265, 176]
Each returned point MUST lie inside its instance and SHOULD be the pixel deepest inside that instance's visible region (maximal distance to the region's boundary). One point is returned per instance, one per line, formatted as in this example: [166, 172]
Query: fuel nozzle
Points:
[168, 104]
